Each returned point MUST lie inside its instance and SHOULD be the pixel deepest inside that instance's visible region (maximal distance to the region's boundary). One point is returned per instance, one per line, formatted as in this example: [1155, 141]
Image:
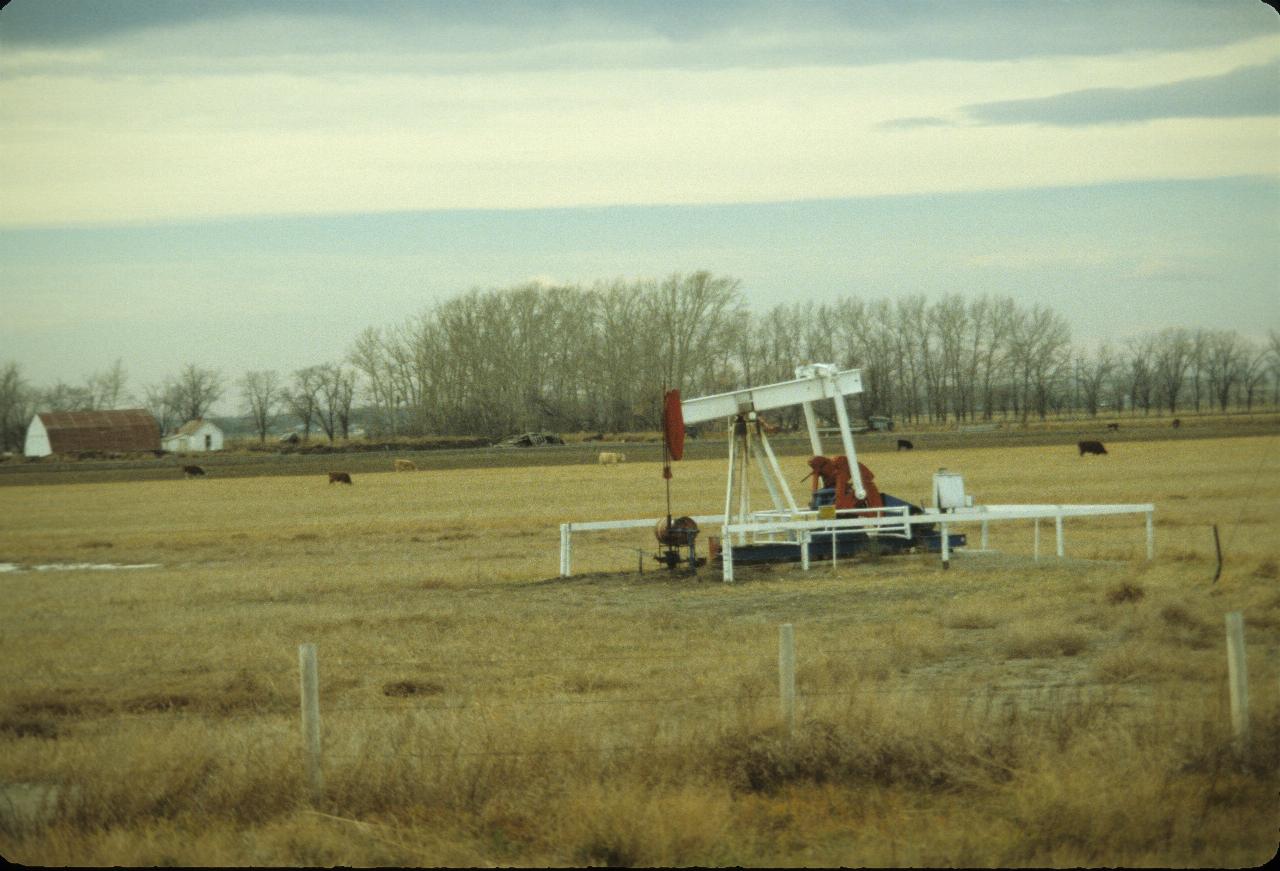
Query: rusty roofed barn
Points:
[69, 432]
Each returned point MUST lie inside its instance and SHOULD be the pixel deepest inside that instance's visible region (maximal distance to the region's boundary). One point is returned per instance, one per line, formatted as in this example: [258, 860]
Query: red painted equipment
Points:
[834, 472]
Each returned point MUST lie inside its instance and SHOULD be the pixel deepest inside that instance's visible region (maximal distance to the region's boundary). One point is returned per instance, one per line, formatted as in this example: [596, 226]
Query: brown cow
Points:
[339, 478]
[1113, 427]
[192, 471]
[1091, 448]
[1176, 423]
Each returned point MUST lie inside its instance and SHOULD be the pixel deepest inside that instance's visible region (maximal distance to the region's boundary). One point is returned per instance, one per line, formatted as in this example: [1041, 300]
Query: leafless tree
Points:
[1141, 380]
[108, 388]
[1172, 359]
[195, 390]
[302, 398]
[1224, 361]
[163, 403]
[262, 392]
[17, 406]
[65, 397]
[1199, 348]
[1254, 368]
[1039, 345]
[1273, 357]
[1094, 371]
[335, 393]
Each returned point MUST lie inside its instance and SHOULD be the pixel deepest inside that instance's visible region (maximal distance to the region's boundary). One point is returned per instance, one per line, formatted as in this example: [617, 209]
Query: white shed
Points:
[192, 436]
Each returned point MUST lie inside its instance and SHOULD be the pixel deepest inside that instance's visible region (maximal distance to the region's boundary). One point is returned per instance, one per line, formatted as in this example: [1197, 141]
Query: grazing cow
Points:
[904, 445]
[405, 466]
[1113, 427]
[1176, 423]
[608, 458]
[1091, 448]
[192, 471]
[339, 478]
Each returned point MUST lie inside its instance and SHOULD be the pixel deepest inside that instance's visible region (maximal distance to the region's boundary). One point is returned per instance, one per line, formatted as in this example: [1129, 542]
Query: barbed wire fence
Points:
[344, 734]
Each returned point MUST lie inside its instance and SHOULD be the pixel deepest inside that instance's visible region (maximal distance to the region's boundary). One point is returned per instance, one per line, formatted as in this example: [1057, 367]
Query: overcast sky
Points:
[247, 185]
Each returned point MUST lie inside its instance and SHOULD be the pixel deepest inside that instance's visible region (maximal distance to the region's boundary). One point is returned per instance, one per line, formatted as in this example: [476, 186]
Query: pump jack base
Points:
[847, 545]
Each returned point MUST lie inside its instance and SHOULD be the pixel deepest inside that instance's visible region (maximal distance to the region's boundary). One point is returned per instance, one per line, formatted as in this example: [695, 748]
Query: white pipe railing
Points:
[890, 519]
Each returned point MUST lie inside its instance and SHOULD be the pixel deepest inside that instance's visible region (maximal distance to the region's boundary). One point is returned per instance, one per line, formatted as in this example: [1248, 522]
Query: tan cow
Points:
[405, 466]
[609, 458]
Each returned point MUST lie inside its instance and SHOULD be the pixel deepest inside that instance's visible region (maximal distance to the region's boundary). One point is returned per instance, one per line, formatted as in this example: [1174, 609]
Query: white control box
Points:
[948, 491]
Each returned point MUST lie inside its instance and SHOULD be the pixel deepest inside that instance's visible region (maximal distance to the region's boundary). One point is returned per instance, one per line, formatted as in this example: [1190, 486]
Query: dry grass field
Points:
[478, 710]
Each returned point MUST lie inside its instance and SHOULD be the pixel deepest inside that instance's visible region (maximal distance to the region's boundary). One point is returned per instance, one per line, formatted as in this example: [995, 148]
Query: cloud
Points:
[455, 35]
[913, 123]
[1244, 92]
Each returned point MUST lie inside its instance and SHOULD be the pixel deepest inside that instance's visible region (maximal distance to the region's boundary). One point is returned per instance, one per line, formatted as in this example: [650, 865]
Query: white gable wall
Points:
[37, 443]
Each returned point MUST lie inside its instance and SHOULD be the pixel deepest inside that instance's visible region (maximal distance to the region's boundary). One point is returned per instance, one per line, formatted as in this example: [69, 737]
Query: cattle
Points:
[904, 445]
[608, 458]
[405, 466]
[192, 471]
[1090, 447]
[339, 478]
[1113, 427]
[1176, 423]
[598, 437]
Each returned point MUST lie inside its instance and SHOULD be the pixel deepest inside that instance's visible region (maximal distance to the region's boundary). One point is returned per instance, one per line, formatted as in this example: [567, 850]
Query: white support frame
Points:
[803, 530]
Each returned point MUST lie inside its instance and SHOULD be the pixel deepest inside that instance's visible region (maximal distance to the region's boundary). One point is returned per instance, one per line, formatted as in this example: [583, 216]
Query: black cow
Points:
[1091, 448]
[192, 471]
[1113, 427]
[1176, 423]
[904, 445]
[339, 478]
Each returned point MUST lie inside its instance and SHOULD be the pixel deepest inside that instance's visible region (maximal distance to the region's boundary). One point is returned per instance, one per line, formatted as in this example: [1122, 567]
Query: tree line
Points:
[598, 358]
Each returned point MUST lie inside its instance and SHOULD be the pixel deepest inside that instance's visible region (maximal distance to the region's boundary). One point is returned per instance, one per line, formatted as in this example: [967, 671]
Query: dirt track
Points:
[234, 465]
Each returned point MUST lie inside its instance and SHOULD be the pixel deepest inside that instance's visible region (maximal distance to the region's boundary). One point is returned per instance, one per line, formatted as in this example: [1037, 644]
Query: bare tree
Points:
[1254, 366]
[17, 406]
[335, 391]
[65, 397]
[1173, 356]
[374, 359]
[162, 401]
[1094, 371]
[195, 390]
[108, 388]
[1199, 348]
[303, 398]
[1273, 356]
[262, 392]
[1141, 378]
[1224, 360]
[1039, 347]
[689, 317]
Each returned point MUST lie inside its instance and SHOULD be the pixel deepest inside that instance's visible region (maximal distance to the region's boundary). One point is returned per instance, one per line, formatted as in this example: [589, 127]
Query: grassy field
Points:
[479, 710]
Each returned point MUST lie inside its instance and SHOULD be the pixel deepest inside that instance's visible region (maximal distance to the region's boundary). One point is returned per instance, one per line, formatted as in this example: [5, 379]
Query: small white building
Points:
[192, 436]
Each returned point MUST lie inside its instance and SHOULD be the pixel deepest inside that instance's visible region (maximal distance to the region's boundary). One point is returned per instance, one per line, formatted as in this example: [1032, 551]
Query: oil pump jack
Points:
[841, 486]
[846, 513]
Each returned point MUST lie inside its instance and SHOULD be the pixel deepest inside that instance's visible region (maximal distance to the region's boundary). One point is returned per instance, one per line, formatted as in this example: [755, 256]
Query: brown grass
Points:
[476, 710]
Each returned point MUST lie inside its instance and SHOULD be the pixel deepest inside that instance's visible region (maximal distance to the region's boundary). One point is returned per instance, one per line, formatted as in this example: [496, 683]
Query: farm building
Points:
[194, 435]
[69, 432]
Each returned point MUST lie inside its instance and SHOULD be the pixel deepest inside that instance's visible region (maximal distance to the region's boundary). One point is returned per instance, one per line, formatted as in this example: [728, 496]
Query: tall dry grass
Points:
[478, 711]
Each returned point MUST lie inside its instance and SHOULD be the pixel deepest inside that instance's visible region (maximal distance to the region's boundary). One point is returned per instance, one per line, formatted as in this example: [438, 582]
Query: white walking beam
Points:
[780, 395]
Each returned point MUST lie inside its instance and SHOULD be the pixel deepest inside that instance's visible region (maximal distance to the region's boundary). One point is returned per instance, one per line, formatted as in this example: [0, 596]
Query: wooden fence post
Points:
[787, 676]
[1238, 680]
[310, 680]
